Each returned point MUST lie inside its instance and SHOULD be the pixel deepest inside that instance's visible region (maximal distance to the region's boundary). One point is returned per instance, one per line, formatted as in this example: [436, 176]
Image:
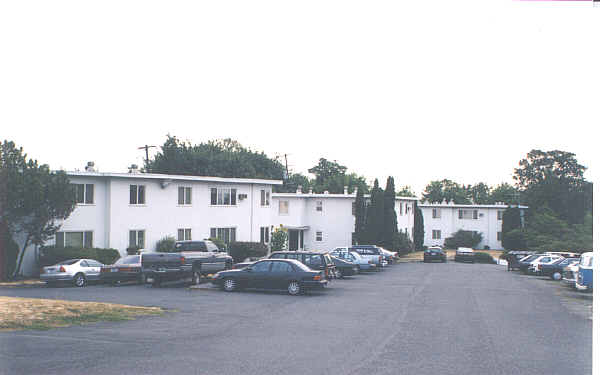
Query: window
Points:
[281, 267]
[436, 213]
[184, 234]
[353, 208]
[137, 194]
[74, 239]
[319, 236]
[265, 198]
[262, 266]
[264, 234]
[401, 213]
[467, 214]
[313, 261]
[284, 207]
[226, 235]
[137, 238]
[436, 234]
[184, 195]
[499, 236]
[319, 206]
[84, 193]
[223, 197]
[500, 214]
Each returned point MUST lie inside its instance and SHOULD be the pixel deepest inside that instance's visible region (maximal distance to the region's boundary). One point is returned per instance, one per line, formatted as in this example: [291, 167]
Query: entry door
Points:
[293, 240]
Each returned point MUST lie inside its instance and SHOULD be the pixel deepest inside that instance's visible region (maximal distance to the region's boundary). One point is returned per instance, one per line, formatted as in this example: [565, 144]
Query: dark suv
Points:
[434, 253]
[315, 260]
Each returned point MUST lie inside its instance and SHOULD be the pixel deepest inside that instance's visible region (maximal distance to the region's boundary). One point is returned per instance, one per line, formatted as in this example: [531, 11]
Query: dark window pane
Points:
[89, 193]
[180, 235]
[226, 198]
[233, 197]
[188, 195]
[141, 240]
[213, 198]
[132, 239]
[79, 193]
[262, 197]
[142, 194]
[213, 232]
[132, 194]
[262, 235]
[180, 198]
[88, 239]
[232, 235]
[60, 240]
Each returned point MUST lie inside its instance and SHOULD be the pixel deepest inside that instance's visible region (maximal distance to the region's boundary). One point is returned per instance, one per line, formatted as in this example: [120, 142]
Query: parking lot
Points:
[413, 318]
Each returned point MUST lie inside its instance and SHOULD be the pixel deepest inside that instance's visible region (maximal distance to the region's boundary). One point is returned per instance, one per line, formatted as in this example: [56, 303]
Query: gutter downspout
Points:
[251, 209]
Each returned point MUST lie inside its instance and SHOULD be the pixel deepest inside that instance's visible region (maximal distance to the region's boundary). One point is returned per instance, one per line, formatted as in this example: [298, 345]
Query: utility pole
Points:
[287, 173]
[146, 147]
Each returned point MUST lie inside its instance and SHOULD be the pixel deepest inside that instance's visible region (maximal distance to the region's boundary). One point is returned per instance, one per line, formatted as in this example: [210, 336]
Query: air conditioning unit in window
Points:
[481, 215]
[242, 196]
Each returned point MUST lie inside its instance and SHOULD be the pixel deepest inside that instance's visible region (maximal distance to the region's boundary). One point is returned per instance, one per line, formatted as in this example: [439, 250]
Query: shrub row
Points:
[483, 258]
[50, 255]
[242, 250]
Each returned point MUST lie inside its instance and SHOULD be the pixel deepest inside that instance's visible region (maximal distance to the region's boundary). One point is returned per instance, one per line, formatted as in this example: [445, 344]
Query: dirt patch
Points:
[18, 283]
[418, 255]
[32, 313]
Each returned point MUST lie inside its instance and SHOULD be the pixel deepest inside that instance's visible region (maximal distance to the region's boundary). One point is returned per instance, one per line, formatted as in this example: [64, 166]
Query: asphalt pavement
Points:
[413, 318]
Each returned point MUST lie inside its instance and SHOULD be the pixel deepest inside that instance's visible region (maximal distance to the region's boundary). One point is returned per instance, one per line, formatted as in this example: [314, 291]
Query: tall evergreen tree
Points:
[374, 232]
[511, 221]
[419, 229]
[360, 217]
[390, 221]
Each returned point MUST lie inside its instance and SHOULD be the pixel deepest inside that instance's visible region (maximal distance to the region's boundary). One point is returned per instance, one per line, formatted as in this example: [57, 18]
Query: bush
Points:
[242, 250]
[219, 243]
[463, 238]
[483, 258]
[279, 239]
[133, 250]
[401, 243]
[50, 255]
[166, 245]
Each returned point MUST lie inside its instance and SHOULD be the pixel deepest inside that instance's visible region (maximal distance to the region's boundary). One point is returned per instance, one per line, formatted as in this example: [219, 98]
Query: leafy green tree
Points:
[511, 220]
[219, 158]
[33, 200]
[279, 239]
[360, 217]
[479, 193]
[166, 244]
[504, 193]
[326, 169]
[291, 184]
[419, 229]
[448, 190]
[390, 221]
[375, 214]
[406, 191]
[514, 239]
[332, 177]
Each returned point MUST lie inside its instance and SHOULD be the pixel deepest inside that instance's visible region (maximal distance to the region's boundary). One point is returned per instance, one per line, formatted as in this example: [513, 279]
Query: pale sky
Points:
[421, 90]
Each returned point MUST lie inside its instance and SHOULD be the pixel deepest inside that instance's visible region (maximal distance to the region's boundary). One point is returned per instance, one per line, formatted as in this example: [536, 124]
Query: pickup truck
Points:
[190, 259]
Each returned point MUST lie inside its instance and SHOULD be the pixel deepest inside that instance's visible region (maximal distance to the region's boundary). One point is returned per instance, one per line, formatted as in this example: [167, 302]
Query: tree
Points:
[360, 217]
[327, 169]
[479, 194]
[332, 177]
[374, 232]
[504, 193]
[406, 191]
[34, 200]
[290, 185]
[419, 229]
[511, 220]
[448, 190]
[390, 221]
[279, 239]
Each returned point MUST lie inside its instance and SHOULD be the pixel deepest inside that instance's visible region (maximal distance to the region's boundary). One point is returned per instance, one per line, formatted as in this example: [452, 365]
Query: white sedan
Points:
[76, 271]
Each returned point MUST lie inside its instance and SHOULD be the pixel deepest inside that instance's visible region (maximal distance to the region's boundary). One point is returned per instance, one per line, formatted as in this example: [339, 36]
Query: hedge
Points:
[483, 258]
[50, 255]
[242, 250]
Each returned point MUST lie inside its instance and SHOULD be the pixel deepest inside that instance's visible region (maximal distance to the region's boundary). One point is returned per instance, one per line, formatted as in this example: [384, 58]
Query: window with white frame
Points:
[223, 197]
[264, 234]
[436, 213]
[137, 194]
[184, 234]
[137, 238]
[74, 239]
[319, 206]
[226, 235]
[436, 234]
[500, 214]
[401, 208]
[467, 214]
[265, 198]
[284, 207]
[319, 236]
[184, 195]
[84, 193]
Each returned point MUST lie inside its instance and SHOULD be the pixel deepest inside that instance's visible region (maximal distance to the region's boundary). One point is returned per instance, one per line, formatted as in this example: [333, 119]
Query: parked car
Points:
[525, 262]
[434, 253]
[534, 266]
[190, 259]
[585, 273]
[513, 258]
[372, 252]
[464, 254]
[76, 271]
[316, 260]
[281, 274]
[363, 263]
[569, 275]
[344, 268]
[128, 268]
[389, 256]
[555, 269]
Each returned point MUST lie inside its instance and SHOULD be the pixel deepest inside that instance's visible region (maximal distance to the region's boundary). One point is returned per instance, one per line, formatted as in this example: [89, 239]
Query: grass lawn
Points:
[33, 313]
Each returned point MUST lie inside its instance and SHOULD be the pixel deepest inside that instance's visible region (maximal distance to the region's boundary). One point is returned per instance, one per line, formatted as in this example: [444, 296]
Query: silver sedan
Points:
[76, 271]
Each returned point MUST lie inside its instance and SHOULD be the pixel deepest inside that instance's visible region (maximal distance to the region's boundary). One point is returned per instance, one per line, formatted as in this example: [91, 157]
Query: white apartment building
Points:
[325, 221]
[121, 210]
[441, 220]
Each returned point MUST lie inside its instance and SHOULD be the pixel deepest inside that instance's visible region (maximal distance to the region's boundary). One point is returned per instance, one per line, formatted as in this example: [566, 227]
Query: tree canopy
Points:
[480, 193]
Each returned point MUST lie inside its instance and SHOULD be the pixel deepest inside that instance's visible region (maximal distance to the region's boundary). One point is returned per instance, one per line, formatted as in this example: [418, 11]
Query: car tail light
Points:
[317, 277]
[62, 269]
[182, 260]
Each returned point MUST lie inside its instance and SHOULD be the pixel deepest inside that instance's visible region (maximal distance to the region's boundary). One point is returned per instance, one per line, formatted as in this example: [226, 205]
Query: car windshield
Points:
[134, 259]
[68, 262]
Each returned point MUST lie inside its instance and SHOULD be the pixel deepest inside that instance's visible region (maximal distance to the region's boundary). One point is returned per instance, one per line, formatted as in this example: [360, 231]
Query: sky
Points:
[420, 90]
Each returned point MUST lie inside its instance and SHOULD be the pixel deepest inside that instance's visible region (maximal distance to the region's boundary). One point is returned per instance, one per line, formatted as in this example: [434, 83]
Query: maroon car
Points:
[128, 268]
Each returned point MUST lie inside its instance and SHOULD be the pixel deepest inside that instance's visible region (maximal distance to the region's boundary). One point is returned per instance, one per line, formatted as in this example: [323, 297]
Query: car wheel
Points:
[142, 280]
[229, 285]
[338, 274]
[156, 282]
[294, 288]
[556, 276]
[196, 277]
[79, 280]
